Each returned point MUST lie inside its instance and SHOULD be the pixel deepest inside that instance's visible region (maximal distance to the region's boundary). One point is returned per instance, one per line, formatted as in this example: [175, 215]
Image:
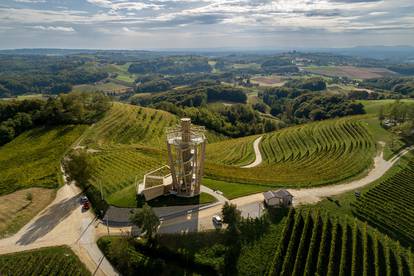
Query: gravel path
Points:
[257, 152]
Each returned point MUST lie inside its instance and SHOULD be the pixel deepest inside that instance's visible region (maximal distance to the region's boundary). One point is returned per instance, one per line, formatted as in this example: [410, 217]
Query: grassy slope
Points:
[33, 158]
[46, 261]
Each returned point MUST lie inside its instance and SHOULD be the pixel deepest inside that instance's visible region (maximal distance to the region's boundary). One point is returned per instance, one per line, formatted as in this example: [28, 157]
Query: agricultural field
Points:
[108, 87]
[381, 206]
[315, 244]
[305, 155]
[373, 107]
[33, 158]
[350, 72]
[46, 261]
[272, 80]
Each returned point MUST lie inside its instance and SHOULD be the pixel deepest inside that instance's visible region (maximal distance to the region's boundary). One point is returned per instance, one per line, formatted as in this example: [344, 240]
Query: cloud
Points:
[30, 1]
[54, 28]
[126, 5]
[234, 21]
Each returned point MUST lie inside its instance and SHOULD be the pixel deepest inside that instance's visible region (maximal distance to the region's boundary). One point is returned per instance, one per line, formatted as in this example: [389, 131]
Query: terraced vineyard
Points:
[381, 206]
[316, 245]
[47, 261]
[307, 155]
[129, 124]
[117, 168]
[237, 152]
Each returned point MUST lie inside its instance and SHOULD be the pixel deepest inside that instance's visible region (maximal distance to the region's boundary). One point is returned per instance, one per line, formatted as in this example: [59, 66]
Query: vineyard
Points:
[382, 205]
[128, 124]
[236, 152]
[33, 158]
[126, 144]
[307, 155]
[47, 261]
[312, 244]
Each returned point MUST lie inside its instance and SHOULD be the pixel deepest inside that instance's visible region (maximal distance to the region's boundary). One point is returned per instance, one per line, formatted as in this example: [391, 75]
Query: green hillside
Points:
[306, 155]
[46, 261]
[314, 245]
[33, 158]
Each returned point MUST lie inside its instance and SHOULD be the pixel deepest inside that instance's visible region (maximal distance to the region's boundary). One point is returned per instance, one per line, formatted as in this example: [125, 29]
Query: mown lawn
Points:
[233, 190]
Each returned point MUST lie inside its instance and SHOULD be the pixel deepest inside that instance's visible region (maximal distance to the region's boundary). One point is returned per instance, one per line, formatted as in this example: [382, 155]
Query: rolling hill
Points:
[306, 155]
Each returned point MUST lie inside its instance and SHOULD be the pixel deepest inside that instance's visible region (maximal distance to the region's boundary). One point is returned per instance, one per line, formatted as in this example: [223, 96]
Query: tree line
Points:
[73, 108]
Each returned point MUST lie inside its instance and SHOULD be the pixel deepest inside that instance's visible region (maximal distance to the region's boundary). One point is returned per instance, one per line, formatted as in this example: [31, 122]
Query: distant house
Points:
[279, 198]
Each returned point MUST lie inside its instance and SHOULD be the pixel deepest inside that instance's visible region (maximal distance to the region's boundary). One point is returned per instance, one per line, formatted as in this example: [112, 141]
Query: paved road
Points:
[257, 152]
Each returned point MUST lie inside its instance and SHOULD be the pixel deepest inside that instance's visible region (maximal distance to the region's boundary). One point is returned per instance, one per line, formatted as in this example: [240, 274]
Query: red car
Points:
[86, 205]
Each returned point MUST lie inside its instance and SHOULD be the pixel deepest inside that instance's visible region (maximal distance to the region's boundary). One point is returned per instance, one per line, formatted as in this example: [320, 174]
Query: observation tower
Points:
[186, 145]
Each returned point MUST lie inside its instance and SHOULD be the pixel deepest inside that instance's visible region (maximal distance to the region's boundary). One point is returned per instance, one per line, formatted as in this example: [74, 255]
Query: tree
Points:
[147, 220]
[6, 134]
[231, 215]
[79, 167]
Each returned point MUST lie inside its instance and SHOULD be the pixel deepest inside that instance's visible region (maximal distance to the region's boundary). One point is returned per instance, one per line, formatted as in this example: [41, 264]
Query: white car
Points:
[217, 220]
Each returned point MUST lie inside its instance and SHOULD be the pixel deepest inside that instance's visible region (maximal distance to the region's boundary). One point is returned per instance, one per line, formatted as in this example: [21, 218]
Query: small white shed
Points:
[279, 198]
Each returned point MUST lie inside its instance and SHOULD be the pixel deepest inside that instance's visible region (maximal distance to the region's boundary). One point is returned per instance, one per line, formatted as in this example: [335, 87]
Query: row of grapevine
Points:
[304, 155]
[313, 245]
[47, 261]
[389, 206]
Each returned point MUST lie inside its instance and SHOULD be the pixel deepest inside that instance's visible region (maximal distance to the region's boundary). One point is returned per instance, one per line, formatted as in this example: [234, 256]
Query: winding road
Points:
[257, 152]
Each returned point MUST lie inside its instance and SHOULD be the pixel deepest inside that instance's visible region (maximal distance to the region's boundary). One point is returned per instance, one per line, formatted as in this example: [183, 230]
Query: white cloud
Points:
[54, 28]
[30, 1]
[126, 5]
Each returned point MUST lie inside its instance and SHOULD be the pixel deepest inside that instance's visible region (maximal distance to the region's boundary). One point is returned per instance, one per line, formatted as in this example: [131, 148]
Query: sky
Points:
[173, 24]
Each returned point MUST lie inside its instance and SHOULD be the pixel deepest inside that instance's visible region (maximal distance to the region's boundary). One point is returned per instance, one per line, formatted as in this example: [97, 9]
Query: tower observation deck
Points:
[186, 146]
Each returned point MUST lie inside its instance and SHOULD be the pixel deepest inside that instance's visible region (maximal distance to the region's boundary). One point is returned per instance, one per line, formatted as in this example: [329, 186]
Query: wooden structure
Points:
[279, 198]
[186, 146]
